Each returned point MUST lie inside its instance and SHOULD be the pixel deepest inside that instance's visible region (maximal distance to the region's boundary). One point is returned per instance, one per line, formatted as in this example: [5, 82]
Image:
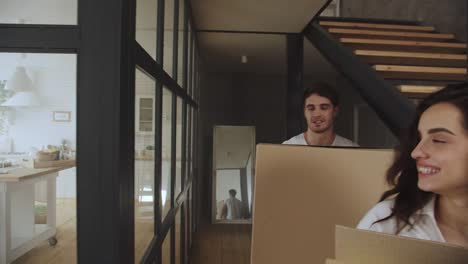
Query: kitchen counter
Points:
[144, 157]
[19, 173]
[18, 231]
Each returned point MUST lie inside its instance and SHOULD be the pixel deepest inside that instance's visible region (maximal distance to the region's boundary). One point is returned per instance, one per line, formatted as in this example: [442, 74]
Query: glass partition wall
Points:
[126, 113]
[174, 70]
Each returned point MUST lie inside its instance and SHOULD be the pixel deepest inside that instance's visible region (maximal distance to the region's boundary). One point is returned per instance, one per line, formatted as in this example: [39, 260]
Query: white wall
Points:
[66, 183]
[54, 81]
[39, 11]
[226, 180]
[250, 179]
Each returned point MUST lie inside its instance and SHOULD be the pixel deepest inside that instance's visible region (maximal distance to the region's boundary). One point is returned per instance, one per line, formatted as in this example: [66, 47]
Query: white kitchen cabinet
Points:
[144, 114]
[19, 232]
[66, 183]
[66, 186]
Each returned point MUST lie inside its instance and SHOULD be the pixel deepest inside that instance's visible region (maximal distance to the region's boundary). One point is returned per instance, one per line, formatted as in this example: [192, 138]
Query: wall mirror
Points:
[233, 174]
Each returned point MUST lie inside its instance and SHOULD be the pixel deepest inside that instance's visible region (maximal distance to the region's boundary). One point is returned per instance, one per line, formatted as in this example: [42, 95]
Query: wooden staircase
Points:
[416, 59]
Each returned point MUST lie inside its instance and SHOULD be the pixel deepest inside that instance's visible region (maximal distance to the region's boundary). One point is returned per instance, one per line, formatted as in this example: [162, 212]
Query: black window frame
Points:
[107, 56]
[154, 69]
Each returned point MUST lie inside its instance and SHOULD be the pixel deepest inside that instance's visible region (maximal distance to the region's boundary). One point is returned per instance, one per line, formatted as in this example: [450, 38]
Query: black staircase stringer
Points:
[395, 110]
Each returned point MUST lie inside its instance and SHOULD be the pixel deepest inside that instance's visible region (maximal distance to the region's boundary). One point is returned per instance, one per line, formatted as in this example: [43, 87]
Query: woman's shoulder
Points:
[378, 212]
[383, 208]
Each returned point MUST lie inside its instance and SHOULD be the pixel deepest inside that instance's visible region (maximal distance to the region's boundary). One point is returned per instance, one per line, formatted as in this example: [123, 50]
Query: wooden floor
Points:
[222, 244]
[213, 244]
[65, 250]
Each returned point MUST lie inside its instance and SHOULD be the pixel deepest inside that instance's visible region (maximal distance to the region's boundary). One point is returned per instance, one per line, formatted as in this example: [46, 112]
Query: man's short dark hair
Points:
[232, 192]
[324, 90]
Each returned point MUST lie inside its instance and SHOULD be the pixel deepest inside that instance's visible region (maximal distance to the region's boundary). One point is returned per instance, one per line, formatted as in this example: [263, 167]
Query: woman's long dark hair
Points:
[402, 174]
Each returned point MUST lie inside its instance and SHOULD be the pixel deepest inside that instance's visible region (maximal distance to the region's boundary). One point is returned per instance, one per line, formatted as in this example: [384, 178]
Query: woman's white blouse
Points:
[425, 228]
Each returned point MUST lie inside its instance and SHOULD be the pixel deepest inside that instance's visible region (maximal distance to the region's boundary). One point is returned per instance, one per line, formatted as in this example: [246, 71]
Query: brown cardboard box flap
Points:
[355, 246]
[333, 261]
[302, 192]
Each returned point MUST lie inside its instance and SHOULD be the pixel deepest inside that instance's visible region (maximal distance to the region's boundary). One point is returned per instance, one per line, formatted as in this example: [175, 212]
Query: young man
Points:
[232, 208]
[320, 111]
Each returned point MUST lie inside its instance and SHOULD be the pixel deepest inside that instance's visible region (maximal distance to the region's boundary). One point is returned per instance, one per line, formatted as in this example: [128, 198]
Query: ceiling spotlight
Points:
[244, 59]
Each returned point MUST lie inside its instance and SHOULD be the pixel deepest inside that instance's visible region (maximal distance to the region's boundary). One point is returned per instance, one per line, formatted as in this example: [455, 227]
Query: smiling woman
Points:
[429, 175]
[442, 151]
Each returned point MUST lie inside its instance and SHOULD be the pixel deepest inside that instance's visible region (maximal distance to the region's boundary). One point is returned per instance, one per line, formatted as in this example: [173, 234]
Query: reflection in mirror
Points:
[233, 173]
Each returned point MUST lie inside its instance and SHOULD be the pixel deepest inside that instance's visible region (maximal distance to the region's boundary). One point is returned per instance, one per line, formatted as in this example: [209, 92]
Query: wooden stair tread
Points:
[461, 46]
[434, 36]
[415, 89]
[411, 58]
[400, 72]
[404, 52]
[376, 26]
[420, 69]
[422, 55]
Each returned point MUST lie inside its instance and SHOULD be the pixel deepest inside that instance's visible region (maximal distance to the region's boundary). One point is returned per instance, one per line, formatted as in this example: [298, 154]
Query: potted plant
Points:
[4, 95]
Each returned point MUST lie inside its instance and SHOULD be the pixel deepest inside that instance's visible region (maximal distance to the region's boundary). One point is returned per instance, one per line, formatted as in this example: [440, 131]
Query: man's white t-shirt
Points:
[338, 142]
[234, 208]
[424, 228]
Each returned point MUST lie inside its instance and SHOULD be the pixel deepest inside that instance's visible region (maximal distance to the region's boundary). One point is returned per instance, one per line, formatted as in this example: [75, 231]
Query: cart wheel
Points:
[53, 241]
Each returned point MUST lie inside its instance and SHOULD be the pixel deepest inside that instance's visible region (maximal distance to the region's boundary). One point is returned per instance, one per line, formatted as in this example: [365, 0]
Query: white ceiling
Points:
[266, 54]
[255, 15]
[222, 51]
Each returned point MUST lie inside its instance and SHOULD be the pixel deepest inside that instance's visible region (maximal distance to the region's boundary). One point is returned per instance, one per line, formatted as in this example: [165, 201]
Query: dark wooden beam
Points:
[295, 90]
[105, 131]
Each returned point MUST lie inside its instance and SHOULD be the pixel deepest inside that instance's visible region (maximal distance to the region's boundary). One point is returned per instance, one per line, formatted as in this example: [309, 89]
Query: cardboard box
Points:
[302, 192]
[333, 261]
[355, 246]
